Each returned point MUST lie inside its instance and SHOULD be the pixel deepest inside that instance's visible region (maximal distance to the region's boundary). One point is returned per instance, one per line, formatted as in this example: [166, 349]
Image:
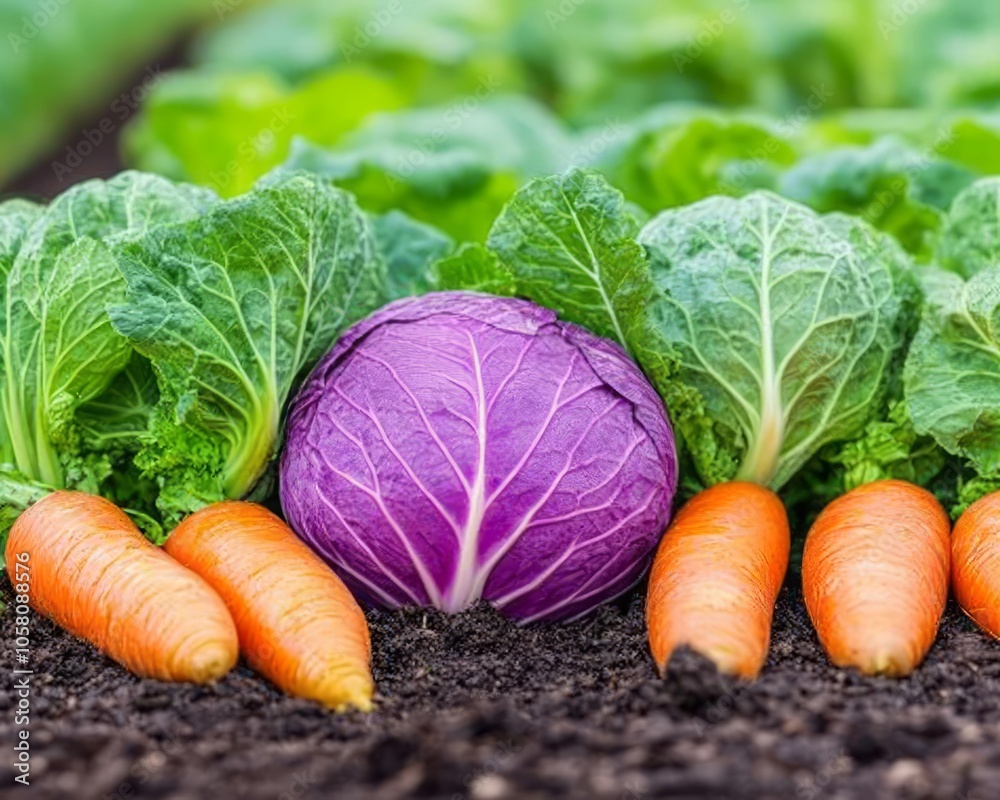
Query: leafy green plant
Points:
[888, 183]
[453, 166]
[970, 240]
[780, 328]
[952, 374]
[226, 131]
[679, 155]
[231, 308]
[570, 242]
[769, 330]
[67, 420]
[59, 349]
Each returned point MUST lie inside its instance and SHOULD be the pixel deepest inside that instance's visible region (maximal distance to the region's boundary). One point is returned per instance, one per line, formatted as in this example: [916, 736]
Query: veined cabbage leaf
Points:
[231, 308]
[970, 240]
[569, 241]
[952, 376]
[59, 350]
[770, 331]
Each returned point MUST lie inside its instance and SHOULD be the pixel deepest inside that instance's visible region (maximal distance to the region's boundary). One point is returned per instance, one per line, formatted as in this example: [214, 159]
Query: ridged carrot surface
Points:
[875, 576]
[975, 562]
[716, 577]
[298, 624]
[93, 573]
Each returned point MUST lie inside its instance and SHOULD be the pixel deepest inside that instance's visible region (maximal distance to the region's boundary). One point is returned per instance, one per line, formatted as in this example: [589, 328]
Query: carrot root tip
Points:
[212, 661]
[892, 662]
[352, 692]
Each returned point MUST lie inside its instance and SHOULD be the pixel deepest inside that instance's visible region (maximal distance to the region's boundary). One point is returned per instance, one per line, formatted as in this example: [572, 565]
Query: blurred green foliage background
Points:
[626, 77]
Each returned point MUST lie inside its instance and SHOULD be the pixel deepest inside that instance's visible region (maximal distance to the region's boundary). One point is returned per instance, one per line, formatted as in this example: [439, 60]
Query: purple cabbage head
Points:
[458, 447]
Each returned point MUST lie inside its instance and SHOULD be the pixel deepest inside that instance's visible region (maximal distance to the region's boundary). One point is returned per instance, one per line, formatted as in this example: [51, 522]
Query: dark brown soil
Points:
[474, 707]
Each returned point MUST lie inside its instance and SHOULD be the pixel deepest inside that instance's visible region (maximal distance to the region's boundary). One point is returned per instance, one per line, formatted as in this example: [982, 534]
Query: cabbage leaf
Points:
[696, 153]
[970, 240]
[59, 350]
[569, 241]
[453, 166]
[952, 375]
[16, 217]
[889, 184]
[771, 333]
[409, 250]
[474, 268]
[231, 308]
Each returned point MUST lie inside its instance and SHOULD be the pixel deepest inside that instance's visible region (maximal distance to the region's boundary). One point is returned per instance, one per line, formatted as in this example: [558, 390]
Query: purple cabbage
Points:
[458, 447]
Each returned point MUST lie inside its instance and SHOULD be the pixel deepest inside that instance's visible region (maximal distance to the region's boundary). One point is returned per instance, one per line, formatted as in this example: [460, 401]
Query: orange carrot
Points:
[298, 624]
[92, 571]
[875, 576]
[975, 562]
[716, 578]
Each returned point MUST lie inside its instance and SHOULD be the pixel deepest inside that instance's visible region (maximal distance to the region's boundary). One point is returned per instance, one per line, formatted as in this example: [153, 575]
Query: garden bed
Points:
[474, 707]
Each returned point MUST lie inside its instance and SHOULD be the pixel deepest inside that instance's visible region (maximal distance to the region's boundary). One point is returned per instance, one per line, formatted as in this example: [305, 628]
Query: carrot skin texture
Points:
[94, 574]
[975, 562]
[875, 576]
[716, 578]
[299, 625]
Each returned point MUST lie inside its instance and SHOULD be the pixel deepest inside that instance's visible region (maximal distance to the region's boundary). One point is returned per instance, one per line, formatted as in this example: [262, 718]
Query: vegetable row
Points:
[511, 436]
